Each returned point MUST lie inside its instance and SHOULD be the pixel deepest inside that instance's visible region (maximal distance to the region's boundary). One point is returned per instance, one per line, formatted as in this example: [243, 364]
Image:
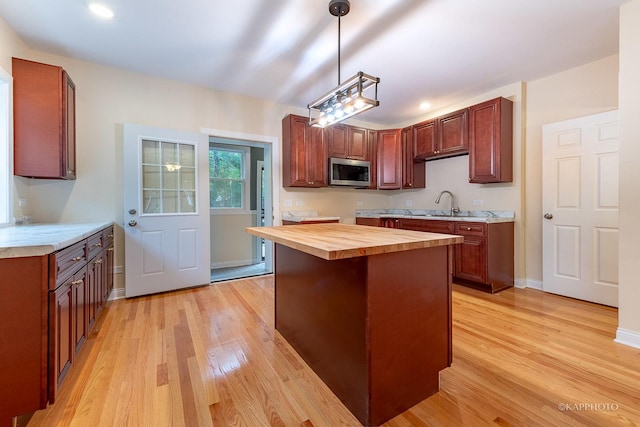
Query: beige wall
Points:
[629, 294]
[588, 89]
[230, 245]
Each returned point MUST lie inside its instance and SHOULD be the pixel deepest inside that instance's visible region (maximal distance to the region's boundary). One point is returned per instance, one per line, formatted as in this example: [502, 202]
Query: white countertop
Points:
[439, 215]
[43, 239]
[306, 216]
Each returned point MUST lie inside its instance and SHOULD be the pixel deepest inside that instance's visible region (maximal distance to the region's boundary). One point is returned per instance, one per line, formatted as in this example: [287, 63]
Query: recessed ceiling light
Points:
[424, 105]
[101, 10]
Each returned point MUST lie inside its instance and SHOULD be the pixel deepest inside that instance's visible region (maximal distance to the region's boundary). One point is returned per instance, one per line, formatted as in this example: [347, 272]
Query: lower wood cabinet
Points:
[483, 261]
[75, 303]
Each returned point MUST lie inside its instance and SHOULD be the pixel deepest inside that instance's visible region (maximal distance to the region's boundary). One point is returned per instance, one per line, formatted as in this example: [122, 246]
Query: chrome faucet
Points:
[453, 210]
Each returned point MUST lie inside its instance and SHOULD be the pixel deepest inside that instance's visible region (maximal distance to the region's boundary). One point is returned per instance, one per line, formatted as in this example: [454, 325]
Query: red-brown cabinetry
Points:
[491, 142]
[44, 121]
[444, 136]
[483, 261]
[45, 316]
[304, 153]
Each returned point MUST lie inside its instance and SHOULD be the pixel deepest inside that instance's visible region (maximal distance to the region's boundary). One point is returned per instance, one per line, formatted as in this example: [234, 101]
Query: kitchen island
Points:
[369, 310]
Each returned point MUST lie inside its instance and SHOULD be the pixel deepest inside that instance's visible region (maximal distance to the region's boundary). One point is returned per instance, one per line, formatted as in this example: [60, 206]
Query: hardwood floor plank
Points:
[211, 357]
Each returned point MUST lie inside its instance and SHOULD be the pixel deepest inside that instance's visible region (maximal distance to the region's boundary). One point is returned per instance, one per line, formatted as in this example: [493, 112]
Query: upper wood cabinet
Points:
[389, 159]
[413, 172]
[348, 142]
[491, 141]
[372, 146]
[44, 121]
[396, 167]
[444, 136]
[304, 153]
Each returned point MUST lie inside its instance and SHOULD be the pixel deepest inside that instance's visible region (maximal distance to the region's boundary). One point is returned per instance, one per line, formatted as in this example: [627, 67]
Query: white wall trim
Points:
[528, 283]
[116, 293]
[234, 263]
[627, 337]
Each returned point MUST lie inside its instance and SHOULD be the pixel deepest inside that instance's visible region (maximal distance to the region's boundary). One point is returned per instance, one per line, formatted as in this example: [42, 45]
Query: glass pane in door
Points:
[168, 177]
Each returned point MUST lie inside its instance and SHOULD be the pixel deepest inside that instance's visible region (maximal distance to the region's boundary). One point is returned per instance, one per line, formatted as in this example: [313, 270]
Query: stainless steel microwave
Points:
[351, 173]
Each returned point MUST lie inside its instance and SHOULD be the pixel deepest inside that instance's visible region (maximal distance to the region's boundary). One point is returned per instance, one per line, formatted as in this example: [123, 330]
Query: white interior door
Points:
[166, 210]
[580, 208]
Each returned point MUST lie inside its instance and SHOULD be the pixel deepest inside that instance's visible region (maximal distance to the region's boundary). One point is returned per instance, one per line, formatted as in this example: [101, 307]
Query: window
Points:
[6, 167]
[228, 176]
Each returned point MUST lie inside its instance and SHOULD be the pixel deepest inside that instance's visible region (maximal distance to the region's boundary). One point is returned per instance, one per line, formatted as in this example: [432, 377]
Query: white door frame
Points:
[271, 147]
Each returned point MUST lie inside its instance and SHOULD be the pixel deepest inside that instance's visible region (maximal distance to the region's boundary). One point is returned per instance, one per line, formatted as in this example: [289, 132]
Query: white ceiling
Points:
[440, 51]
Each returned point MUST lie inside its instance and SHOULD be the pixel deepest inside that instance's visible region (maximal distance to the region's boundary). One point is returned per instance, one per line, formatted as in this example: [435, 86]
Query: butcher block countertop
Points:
[339, 241]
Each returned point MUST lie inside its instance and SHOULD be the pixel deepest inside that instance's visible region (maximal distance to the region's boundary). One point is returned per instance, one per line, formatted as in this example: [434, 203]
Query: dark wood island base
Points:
[375, 328]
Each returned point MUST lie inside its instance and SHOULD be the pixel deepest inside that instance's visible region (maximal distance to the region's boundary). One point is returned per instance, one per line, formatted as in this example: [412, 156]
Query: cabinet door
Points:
[413, 172]
[425, 139]
[407, 158]
[372, 147]
[453, 133]
[357, 143]
[391, 223]
[80, 295]
[338, 141]
[68, 127]
[491, 141]
[389, 159]
[304, 154]
[471, 259]
[44, 121]
[108, 273]
[95, 279]
[62, 334]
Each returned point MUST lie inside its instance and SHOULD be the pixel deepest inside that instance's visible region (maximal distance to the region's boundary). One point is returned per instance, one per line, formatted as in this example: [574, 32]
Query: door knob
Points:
[548, 216]
[133, 223]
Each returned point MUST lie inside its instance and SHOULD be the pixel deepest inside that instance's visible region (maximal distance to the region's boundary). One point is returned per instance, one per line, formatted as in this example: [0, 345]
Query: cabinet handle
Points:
[76, 259]
[97, 245]
[110, 250]
[110, 236]
[98, 261]
[77, 282]
[468, 228]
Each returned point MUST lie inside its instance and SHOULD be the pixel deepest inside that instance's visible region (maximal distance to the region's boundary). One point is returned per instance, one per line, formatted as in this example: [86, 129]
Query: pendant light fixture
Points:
[347, 99]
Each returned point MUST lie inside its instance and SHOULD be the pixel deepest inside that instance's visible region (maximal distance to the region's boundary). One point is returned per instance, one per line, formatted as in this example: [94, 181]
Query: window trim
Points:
[6, 149]
[246, 165]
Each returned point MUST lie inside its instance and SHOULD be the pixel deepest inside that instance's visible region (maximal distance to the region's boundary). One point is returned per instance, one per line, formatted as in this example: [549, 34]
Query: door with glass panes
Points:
[166, 206]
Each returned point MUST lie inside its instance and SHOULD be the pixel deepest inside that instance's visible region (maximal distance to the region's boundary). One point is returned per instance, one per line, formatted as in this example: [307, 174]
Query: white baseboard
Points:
[116, 293]
[527, 283]
[235, 263]
[627, 337]
[534, 284]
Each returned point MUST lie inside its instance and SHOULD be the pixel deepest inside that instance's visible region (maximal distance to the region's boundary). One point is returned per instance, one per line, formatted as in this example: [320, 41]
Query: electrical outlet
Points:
[359, 203]
[299, 202]
[288, 203]
[409, 203]
[22, 202]
[478, 202]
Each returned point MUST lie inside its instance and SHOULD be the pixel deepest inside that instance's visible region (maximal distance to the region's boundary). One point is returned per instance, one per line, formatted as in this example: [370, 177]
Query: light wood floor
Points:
[210, 356]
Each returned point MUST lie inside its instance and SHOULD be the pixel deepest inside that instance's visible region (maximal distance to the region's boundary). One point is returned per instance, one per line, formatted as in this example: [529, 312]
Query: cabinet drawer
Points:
[94, 245]
[471, 229]
[430, 226]
[68, 261]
